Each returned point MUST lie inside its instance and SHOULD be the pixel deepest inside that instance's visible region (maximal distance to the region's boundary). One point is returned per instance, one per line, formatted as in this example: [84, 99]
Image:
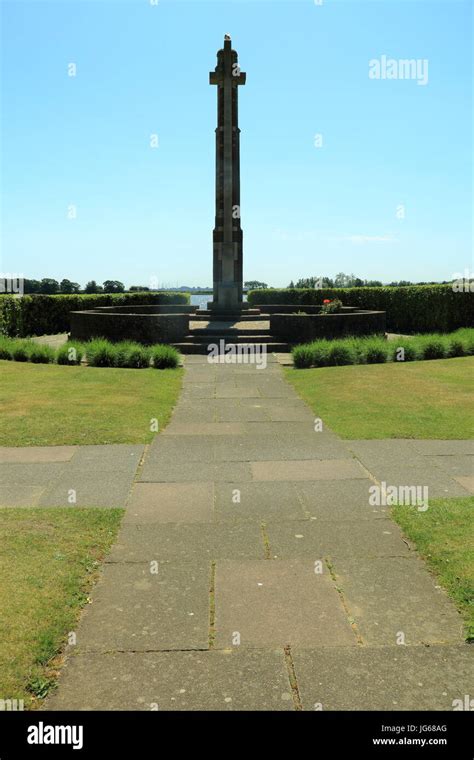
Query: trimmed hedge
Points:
[414, 308]
[48, 315]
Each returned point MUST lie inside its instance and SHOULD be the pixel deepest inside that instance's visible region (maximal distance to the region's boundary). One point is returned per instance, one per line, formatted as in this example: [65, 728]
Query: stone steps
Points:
[231, 328]
[221, 314]
[252, 315]
[201, 347]
[217, 331]
[230, 338]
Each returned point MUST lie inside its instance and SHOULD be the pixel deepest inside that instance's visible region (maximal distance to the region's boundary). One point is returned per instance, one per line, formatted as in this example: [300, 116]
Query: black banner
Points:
[124, 734]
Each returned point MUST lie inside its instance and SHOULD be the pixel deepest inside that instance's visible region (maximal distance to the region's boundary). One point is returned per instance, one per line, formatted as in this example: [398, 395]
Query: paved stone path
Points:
[250, 571]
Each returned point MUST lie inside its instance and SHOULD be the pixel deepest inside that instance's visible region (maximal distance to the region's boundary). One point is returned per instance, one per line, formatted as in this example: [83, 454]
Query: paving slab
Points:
[91, 488]
[201, 375]
[198, 390]
[187, 542]
[205, 428]
[170, 502]
[443, 448]
[192, 415]
[257, 501]
[290, 414]
[278, 603]
[390, 596]
[315, 540]
[380, 456]
[32, 454]
[438, 483]
[20, 495]
[242, 448]
[172, 448]
[31, 474]
[284, 358]
[123, 458]
[466, 483]
[315, 445]
[282, 404]
[282, 429]
[338, 500]
[241, 391]
[215, 680]
[456, 466]
[55, 341]
[381, 449]
[182, 471]
[275, 390]
[140, 607]
[225, 372]
[384, 678]
[308, 469]
[246, 448]
[239, 413]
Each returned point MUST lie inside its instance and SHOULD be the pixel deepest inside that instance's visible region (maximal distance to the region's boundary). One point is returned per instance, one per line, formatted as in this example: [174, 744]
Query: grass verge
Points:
[50, 404]
[444, 536]
[415, 400]
[49, 562]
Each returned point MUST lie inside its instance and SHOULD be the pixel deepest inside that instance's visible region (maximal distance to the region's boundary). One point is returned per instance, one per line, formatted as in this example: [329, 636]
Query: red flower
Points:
[327, 300]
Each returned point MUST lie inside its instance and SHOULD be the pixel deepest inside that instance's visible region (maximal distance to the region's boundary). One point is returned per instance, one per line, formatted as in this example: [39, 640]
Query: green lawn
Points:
[48, 404]
[426, 399]
[444, 536]
[48, 563]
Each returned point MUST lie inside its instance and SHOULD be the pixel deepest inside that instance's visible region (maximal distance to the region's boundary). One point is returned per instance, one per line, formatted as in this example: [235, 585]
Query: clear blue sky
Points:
[143, 69]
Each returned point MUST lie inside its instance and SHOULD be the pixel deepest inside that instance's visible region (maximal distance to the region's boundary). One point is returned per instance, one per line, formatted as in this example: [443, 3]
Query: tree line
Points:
[48, 286]
[343, 280]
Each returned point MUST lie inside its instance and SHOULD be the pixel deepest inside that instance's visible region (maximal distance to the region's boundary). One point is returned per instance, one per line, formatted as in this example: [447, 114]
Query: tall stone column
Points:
[227, 235]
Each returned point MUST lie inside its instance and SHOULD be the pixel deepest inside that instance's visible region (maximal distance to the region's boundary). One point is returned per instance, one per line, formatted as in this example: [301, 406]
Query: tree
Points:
[49, 286]
[138, 289]
[113, 286]
[92, 287]
[344, 280]
[67, 286]
[255, 285]
[313, 282]
[32, 286]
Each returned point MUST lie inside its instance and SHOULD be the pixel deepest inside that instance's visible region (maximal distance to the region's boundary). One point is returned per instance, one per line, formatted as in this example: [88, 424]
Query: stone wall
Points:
[303, 328]
[115, 326]
[278, 308]
[175, 308]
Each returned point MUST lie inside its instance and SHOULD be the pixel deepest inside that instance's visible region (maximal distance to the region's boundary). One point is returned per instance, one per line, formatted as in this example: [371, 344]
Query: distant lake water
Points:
[202, 301]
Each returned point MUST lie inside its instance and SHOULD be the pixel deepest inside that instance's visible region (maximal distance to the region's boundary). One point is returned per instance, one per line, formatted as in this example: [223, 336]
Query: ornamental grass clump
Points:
[433, 346]
[41, 354]
[6, 345]
[341, 352]
[374, 350]
[100, 353]
[132, 355]
[303, 356]
[164, 357]
[71, 353]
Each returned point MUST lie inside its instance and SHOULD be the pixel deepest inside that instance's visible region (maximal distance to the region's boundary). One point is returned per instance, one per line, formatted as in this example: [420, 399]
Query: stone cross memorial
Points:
[227, 236]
